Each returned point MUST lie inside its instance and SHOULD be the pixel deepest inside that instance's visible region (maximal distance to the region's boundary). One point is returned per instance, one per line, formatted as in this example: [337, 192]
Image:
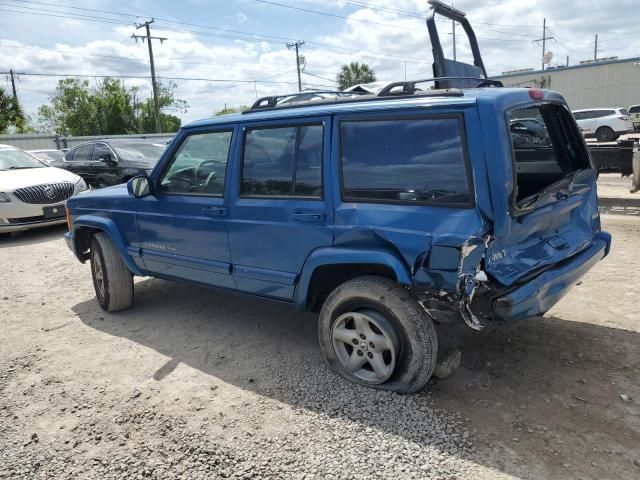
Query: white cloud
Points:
[96, 49]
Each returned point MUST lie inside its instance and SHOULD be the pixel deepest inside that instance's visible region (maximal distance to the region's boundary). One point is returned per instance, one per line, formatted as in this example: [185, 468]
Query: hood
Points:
[11, 180]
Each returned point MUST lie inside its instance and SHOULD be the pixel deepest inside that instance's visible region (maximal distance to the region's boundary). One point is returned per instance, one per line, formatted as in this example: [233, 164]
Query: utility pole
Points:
[453, 26]
[12, 74]
[544, 41]
[297, 46]
[595, 50]
[149, 38]
[13, 87]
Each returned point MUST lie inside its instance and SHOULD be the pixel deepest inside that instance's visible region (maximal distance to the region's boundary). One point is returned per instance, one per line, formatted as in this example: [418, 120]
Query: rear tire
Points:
[112, 280]
[605, 134]
[374, 318]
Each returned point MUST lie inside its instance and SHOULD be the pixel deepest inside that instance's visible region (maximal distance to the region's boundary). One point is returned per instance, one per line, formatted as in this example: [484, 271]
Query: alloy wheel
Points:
[366, 344]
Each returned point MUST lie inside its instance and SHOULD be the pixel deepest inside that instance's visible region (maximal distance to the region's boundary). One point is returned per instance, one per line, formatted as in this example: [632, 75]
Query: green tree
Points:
[354, 74]
[72, 111]
[11, 115]
[168, 103]
[230, 110]
[109, 108]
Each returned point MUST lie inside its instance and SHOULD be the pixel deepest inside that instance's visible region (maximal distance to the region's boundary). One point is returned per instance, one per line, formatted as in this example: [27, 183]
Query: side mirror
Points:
[108, 159]
[139, 186]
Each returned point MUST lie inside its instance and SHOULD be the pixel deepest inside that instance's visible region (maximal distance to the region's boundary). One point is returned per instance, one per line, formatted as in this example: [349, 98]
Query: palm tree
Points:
[354, 74]
[12, 117]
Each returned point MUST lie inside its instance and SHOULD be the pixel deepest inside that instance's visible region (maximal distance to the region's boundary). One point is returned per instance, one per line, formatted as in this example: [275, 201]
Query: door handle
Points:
[215, 211]
[308, 217]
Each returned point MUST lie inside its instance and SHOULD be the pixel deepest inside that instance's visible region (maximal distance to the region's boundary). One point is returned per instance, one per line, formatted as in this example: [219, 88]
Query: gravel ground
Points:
[192, 383]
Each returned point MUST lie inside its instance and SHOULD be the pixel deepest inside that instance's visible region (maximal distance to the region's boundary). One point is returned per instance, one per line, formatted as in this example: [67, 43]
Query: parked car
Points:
[32, 194]
[109, 162]
[386, 213]
[605, 124]
[48, 155]
[634, 112]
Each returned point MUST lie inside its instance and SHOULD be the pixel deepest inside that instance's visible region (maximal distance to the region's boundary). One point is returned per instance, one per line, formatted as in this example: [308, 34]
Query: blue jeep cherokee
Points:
[387, 213]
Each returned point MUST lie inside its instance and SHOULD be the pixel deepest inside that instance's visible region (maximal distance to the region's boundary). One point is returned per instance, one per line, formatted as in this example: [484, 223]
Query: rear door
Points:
[279, 211]
[78, 161]
[554, 208]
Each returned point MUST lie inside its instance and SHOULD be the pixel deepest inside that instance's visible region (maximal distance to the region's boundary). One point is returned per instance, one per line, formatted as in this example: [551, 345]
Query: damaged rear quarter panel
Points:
[428, 238]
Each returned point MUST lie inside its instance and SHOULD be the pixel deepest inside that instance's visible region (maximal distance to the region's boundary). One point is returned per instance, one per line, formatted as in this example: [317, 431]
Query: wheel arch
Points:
[86, 226]
[326, 268]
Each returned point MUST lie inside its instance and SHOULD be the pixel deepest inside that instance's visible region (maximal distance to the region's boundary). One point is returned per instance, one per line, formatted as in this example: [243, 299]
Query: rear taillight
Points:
[536, 94]
[624, 118]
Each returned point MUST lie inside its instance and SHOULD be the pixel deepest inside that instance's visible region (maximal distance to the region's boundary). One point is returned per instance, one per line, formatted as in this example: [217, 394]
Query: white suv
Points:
[606, 124]
[33, 194]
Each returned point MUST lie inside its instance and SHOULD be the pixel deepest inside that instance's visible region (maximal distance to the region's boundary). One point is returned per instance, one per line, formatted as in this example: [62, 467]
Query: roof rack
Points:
[409, 86]
[290, 98]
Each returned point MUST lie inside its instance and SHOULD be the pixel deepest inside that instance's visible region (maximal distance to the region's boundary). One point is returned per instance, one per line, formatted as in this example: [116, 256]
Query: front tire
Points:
[373, 332]
[112, 280]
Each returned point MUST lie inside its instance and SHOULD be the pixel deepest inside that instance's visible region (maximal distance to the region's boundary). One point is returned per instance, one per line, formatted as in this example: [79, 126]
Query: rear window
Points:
[624, 111]
[547, 146]
[405, 160]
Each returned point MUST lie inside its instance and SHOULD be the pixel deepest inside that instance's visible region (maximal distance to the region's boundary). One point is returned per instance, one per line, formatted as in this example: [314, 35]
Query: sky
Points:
[228, 52]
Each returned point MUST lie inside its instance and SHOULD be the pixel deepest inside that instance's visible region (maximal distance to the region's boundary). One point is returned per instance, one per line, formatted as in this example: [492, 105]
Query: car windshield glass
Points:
[16, 159]
[145, 152]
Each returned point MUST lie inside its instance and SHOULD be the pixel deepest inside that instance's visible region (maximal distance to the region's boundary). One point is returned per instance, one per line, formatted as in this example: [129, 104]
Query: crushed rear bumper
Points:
[539, 294]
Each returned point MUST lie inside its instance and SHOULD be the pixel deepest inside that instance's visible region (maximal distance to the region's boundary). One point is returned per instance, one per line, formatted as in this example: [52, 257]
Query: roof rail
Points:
[409, 86]
[290, 98]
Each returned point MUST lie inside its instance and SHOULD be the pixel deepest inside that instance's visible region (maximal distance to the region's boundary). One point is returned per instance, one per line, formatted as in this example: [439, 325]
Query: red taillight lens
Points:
[536, 94]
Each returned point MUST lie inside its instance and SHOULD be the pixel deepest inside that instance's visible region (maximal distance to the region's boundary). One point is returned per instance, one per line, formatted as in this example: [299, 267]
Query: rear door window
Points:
[283, 161]
[81, 154]
[546, 147]
[415, 160]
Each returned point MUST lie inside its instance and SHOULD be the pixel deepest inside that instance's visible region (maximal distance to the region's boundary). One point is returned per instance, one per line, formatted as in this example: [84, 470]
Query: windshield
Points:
[16, 159]
[145, 152]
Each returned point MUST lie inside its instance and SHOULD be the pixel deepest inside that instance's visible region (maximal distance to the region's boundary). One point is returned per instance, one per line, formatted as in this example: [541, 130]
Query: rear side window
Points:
[547, 146]
[81, 154]
[283, 162]
[405, 160]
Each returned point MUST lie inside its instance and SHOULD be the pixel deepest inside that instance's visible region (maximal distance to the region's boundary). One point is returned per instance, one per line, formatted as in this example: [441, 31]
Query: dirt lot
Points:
[193, 383]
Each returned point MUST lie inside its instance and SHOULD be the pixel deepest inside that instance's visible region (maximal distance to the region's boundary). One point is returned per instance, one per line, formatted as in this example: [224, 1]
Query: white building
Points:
[601, 83]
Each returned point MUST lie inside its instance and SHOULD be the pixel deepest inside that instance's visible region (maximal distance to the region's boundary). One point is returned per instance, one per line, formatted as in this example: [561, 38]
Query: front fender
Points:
[335, 256]
[109, 227]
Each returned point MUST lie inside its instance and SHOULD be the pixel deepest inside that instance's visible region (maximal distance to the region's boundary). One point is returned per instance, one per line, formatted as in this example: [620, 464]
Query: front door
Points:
[279, 213]
[180, 226]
